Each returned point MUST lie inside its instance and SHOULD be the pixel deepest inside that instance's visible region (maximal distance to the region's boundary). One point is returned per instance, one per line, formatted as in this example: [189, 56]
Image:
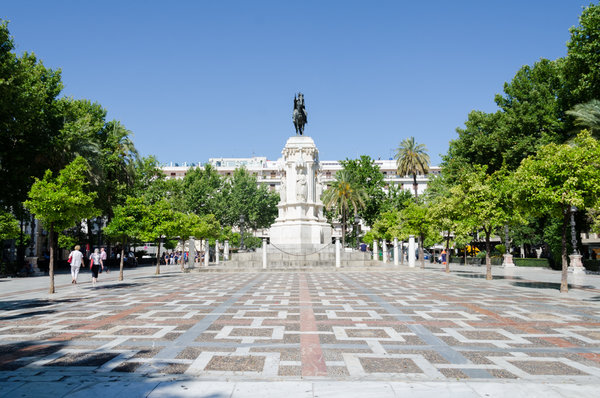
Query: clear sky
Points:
[201, 79]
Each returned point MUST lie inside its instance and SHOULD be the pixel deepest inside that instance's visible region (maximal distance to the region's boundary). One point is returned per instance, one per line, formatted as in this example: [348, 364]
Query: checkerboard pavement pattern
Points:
[403, 325]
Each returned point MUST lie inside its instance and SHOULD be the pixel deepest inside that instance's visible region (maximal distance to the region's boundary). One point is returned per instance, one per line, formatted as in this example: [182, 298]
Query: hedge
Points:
[531, 262]
[592, 265]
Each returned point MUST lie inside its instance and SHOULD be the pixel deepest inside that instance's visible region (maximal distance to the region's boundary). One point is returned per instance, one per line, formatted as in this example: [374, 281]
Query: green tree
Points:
[587, 116]
[158, 224]
[484, 206]
[416, 220]
[558, 178]
[343, 196]
[201, 187]
[412, 159]
[9, 226]
[366, 174]
[60, 202]
[125, 225]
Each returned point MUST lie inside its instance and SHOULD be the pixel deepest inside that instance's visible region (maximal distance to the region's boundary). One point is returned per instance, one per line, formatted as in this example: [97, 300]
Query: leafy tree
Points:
[557, 178]
[389, 226]
[9, 227]
[588, 116]
[395, 198]
[412, 159]
[366, 174]
[342, 196]
[241, 195]
[158, 223]
[416, 220]
[60, 202]
[201, 187]
[186, 225]
[125, 225]
[484, 207]
[581, 67]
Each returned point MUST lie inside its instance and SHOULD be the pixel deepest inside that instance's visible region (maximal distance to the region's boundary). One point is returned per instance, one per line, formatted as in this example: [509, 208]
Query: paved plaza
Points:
[380, 333]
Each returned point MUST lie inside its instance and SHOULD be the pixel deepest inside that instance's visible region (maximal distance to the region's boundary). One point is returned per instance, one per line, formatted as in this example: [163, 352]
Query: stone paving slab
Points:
[368, 333]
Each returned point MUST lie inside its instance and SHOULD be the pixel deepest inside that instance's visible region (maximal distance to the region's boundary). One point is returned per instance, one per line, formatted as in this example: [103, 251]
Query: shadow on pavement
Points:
[116, 286]
[11, 305]
[548, 285]
[482, 276]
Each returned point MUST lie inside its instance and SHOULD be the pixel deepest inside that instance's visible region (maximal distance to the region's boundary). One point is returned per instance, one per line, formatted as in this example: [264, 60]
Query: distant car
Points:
[130, 260]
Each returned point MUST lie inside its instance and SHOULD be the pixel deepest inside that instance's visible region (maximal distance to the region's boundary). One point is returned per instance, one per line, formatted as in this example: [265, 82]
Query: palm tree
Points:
[343, 196]
[412, 159]
[588, 115]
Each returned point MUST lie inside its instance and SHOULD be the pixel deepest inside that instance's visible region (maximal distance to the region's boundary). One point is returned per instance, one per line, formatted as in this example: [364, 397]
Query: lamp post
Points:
[356, 227]
[573, 233]
[576, 265]
[242, 220]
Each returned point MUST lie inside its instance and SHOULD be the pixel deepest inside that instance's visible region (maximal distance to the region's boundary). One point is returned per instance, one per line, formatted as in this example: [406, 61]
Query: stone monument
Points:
[300, 223]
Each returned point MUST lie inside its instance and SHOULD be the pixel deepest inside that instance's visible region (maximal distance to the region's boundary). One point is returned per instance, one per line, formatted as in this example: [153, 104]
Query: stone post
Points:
[395, 251]
[192, 253]
[375, 251]
[206, 252]
[384, 251]
[264, 253]
[411, 251]
[338, 260]
[217, 252]
[402, 252]
[226, 250]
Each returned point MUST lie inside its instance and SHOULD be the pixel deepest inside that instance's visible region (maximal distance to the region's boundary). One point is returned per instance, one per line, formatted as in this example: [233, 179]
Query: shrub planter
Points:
[531, 262]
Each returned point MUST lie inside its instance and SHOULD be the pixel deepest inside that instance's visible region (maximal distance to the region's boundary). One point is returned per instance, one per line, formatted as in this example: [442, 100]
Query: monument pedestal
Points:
[300, 226]
[508, 261]
[575, 264]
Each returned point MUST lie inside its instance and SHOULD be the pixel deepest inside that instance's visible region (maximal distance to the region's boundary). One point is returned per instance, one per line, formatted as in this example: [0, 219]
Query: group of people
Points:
[77, 260]
[175, 257]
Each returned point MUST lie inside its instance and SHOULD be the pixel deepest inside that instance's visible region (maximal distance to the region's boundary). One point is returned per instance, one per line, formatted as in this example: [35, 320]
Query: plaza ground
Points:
[380, 332]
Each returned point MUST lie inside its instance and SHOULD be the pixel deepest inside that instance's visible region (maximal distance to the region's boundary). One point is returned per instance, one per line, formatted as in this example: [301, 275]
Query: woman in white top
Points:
[76, 262]
[96, 263]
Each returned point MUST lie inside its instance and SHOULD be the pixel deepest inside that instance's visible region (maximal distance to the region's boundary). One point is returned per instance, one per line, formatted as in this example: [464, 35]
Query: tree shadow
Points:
[26, 315]
[116, 286]
[17, 355]
[482, 276]
[548, 285]
[11, 305]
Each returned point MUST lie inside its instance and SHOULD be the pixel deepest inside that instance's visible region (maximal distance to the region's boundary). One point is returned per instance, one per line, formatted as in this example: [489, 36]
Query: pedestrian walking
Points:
[103, 257]
[95, 265]
[76, 258]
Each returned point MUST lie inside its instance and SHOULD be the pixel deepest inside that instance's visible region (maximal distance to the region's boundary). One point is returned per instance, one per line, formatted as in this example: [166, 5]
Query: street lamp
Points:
[356, 224]
[242, 220]
[573, 233]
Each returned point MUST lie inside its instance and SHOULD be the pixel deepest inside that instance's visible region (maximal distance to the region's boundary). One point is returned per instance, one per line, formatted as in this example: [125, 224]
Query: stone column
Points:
[411, 251]
[338, 260]
[402, 252]
[217, 252]
[206, 252]
[226, 250]
[384, 251]
[375, 251]
[575, 264]
[507, 262]
[192, 253]
[395, 251]
[264, 253]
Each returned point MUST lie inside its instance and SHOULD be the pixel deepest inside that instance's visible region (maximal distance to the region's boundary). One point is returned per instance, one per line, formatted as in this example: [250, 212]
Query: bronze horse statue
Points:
[299, 116]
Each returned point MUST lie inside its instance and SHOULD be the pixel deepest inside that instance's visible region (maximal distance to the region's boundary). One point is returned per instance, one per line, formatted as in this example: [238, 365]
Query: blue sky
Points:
[201, 79]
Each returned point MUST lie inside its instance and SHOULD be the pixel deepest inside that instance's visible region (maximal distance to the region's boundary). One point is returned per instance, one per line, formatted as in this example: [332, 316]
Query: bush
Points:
[531, 262]
[481, 254]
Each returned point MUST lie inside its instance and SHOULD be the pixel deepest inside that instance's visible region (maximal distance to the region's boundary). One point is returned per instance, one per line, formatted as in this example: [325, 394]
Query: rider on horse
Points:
[299, 116]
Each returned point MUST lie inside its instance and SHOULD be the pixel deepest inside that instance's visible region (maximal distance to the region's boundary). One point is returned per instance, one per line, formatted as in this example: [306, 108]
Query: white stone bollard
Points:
[192, 253]
[338, 260]
[384, 251]
[411, 251]
[375, 251]
[226, 250]
[217, 252]
[206, 252]
[395, 251]
[264, 253]
[402, 252]
[508, 260]
[575, 264]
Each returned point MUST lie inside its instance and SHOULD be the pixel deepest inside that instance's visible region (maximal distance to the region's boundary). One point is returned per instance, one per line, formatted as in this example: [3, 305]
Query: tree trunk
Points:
[465, 255]
[421, 252]
[51, 261]
[448, 252]
[488, 260]
[158, 257]
[343, 229]
[121, 265]
[564, 285]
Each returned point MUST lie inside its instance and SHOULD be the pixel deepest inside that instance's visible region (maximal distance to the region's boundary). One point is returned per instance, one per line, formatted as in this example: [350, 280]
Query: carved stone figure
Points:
[301, 188]
[282, 190]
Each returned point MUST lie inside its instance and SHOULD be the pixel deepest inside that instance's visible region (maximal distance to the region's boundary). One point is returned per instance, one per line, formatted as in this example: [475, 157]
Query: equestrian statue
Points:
[299, 116]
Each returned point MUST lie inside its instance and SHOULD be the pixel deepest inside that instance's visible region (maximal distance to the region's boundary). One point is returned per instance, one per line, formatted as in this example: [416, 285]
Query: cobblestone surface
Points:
[410, 325]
